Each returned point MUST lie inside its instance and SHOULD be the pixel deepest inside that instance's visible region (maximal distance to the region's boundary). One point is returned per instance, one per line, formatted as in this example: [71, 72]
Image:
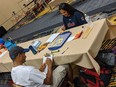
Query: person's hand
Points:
[42, 68]
[49, 62]
[62, 29]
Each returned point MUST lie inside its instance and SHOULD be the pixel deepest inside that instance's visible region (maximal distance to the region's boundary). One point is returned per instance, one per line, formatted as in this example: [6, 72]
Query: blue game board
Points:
[60, 40]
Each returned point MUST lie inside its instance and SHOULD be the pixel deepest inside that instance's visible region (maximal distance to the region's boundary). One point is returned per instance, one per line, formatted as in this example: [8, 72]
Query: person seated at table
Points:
[71, 16]
[28, 76]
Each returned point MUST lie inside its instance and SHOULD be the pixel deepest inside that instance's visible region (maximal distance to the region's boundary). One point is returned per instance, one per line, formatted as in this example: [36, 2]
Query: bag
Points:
[107, 58]
[9, 44]
[92, 79]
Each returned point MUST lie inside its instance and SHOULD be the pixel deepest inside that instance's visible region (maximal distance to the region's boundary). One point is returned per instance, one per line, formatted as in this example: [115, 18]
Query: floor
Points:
[46, 24]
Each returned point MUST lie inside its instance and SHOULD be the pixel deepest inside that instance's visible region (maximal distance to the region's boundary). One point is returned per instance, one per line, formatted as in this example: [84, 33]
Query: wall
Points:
[6, 8]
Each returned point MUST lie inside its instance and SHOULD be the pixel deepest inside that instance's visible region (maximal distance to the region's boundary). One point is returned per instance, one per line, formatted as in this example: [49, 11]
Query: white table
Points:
[81, 51]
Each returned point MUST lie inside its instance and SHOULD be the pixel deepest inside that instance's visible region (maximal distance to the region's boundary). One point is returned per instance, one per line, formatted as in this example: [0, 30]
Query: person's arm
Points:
[48, 79]
[42, 68]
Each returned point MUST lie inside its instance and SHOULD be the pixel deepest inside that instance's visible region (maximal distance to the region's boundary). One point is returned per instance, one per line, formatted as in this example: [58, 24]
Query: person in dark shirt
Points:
[71, 16]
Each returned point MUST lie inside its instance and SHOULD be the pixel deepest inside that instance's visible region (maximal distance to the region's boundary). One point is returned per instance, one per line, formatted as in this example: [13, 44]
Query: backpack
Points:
[107, 58]
[92, 79]
[107, 52]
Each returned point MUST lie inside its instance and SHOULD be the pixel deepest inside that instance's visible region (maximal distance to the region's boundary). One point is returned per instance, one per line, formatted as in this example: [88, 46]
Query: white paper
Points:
[46, 69]
[45, 58]
[52, 37]
[44, 61]
[70, 38]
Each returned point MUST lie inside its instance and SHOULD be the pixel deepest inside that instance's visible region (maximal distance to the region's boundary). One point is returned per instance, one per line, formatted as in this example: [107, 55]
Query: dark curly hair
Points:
[69, 9]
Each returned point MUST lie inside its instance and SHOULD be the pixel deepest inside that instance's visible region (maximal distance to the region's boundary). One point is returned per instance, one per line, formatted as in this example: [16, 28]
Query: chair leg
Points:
[70, 74]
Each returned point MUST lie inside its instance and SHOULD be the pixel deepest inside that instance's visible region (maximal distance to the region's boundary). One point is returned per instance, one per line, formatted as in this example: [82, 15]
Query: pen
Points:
[65, 50]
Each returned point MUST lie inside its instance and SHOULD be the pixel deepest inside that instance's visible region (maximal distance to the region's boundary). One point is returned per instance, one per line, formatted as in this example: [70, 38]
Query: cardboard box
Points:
[112, 19]
[111, 34]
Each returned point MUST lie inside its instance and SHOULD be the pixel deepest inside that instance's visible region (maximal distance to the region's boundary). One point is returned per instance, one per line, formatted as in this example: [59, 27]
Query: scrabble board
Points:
[60, 40]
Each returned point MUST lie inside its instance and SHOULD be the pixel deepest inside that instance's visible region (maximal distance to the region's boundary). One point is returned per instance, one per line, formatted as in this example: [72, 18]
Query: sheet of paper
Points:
[50, 57]
[44, 60]
[52, 37]
[70, 38]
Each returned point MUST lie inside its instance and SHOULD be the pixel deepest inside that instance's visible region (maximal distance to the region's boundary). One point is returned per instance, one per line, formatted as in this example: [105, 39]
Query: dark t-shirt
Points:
[76, 19]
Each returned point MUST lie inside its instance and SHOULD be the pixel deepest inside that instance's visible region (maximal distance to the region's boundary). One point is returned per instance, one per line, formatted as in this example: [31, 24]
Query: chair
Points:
[14, 85]
[65, 82]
